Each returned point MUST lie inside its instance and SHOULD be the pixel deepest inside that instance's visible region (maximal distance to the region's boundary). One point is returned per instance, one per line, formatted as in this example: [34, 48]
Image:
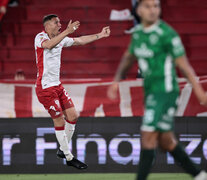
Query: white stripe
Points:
[7, 96]
[184, 99]
[44, 69]
[164, 126]
[125, 96]
[168, 74]
[147, 128]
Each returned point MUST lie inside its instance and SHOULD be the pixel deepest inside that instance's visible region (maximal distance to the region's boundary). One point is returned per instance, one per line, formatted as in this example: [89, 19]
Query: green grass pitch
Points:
[91, 176]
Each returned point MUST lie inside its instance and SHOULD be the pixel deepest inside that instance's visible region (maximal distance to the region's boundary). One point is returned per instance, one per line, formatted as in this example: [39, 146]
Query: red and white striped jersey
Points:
[49, 61]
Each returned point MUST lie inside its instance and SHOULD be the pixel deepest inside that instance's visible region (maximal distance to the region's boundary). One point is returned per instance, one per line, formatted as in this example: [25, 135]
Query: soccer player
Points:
[50, 92]
[159, 49]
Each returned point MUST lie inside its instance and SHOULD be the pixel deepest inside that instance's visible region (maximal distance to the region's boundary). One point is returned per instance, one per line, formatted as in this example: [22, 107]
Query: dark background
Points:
[23, 155]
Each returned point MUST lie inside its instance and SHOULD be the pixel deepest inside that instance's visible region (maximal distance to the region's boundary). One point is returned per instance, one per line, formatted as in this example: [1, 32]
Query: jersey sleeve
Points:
[174, 45]
[39, 39]
[67, 42]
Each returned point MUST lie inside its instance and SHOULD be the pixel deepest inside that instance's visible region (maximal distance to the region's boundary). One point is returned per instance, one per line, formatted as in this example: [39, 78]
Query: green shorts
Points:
[159, 112]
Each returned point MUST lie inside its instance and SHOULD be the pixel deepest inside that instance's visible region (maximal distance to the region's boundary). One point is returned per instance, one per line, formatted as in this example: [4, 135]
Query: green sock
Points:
[181, 156]
[145, 163]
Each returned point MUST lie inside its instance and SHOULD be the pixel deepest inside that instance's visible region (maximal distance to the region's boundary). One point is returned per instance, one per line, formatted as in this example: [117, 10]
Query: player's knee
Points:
[73, 117]
[149, 143]
[149, 140]
[167, 145]
[59, 122]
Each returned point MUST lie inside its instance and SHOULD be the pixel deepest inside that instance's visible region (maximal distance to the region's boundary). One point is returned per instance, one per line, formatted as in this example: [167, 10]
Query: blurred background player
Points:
[159, 49]
[50, 92]
[19, 75]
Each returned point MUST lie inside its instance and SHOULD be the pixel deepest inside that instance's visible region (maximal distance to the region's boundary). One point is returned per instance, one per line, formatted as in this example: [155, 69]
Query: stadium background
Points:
[95, 62]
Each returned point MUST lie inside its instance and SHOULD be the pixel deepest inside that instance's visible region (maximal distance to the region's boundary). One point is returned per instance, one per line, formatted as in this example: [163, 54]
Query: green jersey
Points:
[156, 49]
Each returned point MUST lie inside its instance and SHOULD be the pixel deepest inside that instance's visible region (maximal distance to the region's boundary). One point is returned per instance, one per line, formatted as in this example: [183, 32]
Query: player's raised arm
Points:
[188, 71]
[57, 37]
[90, 38]
[126, 63]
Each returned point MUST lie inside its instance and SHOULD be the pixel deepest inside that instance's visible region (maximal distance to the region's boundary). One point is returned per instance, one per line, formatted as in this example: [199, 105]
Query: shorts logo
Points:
[52, 108]
[56, 112]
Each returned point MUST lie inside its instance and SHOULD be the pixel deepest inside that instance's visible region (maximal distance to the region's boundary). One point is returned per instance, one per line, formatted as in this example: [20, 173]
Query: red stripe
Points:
[70, 122]
[60, 128]
[23, 101]
[40, 66]
[137, 106]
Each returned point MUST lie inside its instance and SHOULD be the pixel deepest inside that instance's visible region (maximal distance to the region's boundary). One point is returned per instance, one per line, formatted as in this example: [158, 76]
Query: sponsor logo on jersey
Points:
[176, 41]
[177, 46]
[136, 36]
[144, 52]
[153, 39]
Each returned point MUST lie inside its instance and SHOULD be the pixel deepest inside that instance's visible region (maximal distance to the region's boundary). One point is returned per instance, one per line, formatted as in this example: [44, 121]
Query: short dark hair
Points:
[48, 17]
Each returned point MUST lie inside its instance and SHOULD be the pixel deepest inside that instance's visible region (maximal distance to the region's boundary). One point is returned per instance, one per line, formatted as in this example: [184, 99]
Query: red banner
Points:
[18, 99]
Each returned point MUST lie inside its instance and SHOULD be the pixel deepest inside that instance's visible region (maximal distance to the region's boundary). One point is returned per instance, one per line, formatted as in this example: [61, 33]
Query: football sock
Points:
[69, 129]
[145, 163]
[184, 161]
[62, 139]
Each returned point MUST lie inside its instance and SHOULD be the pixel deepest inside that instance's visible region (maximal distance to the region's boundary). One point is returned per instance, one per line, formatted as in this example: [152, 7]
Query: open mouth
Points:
[59, 30]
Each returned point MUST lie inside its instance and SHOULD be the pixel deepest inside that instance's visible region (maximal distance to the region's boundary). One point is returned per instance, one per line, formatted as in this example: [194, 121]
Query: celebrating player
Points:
[49, 90]
[159, 49]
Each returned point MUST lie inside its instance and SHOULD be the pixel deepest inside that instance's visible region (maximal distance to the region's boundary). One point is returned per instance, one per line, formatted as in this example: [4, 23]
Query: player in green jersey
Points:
[159, 49]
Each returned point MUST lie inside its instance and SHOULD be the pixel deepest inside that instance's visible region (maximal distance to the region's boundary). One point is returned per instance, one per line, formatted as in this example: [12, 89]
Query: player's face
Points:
[149, 11]
[55, 26]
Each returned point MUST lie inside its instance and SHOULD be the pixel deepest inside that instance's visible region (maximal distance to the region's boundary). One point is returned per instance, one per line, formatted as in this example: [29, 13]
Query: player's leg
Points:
[55, 110]
[49, 98]
[64, 151]
[69, 111]
[71, 117]
[147, 155]
[59, 124]
[70, 122]
[168, 142]
[149, 134]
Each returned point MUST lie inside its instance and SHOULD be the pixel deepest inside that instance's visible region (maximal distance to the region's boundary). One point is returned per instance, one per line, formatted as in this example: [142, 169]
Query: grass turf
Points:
[91, 176]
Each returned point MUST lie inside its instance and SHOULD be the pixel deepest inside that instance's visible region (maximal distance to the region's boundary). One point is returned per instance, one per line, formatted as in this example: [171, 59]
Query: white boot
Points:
[201, 176]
